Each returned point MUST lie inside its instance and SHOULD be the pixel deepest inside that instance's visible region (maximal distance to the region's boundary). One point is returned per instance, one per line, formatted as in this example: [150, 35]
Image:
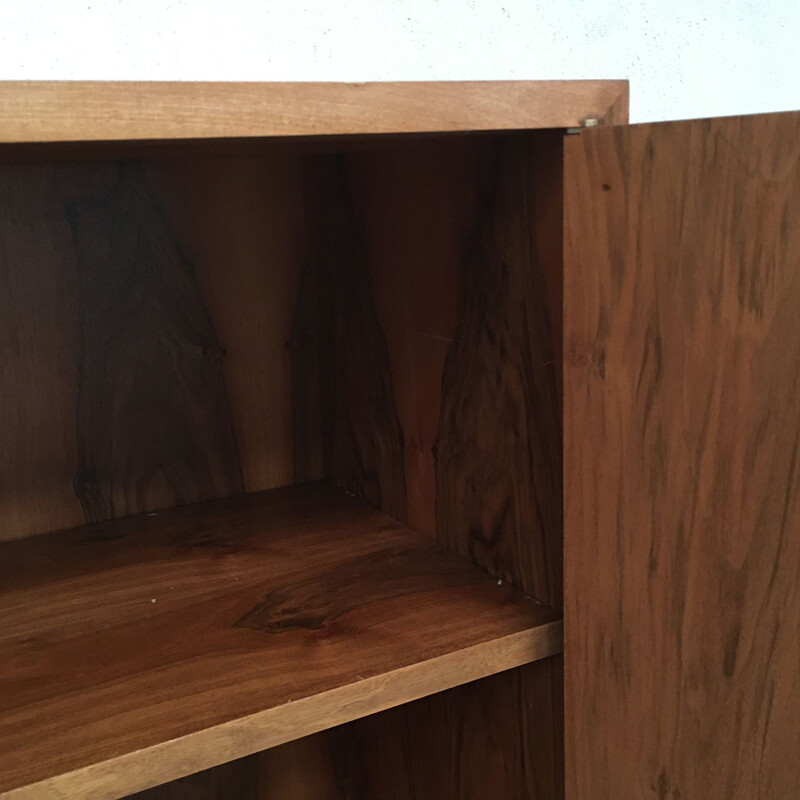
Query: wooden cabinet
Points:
[321, 405]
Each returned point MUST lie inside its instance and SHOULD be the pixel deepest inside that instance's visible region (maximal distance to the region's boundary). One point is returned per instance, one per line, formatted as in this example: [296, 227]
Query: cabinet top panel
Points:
[64, 111]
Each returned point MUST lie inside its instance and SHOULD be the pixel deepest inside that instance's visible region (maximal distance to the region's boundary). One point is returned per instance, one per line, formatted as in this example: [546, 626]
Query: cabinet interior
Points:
[282, 475]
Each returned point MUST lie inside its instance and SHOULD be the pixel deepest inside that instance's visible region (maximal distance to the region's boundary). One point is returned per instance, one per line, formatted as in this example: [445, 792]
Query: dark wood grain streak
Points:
[154, 427]
[323, 598]
[39, 353]
[498, 449]
[413, 201]
[306, 349]
[682, 378]
[130, 307]
[361, 429]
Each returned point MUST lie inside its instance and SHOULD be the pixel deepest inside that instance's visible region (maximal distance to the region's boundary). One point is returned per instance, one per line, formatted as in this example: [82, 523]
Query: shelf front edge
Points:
[166, 761]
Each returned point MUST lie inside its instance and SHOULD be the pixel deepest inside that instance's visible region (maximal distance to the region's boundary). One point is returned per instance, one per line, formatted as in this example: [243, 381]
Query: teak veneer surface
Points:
[682, 432]
[52, 111]
[141, 650]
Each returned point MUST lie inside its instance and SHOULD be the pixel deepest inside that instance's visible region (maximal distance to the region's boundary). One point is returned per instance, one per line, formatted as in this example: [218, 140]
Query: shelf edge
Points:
[192, 753]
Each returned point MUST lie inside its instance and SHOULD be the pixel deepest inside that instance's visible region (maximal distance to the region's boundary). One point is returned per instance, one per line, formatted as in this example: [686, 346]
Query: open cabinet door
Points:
[682, 460]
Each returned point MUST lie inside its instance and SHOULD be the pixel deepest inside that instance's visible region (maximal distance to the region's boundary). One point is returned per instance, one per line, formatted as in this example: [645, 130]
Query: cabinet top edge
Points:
[71, 111]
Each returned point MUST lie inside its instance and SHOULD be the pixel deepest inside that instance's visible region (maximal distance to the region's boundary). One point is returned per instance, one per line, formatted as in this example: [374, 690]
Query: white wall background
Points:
[684, 58]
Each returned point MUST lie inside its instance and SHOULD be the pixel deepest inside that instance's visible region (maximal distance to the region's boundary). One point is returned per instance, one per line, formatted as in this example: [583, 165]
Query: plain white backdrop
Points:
[684, 58]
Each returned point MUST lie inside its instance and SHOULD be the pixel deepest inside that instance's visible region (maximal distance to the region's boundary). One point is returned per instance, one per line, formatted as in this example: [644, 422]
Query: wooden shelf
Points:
[53, 111]
[144, 649]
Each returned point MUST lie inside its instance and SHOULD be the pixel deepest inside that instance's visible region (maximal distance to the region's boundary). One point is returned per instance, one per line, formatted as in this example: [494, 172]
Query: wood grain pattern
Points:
[498, 447]
[306, 347]
[461, 744]
[147, 317]
[464, 276]
[682, 373]
[236, 780]
[227, 628]
[240, 221]
[412, 202]
[420, 210]
[363, 439]
[113, 396]
[58, 111]
[154, 428]
[489, 740]
[39, 352]
[397, 241]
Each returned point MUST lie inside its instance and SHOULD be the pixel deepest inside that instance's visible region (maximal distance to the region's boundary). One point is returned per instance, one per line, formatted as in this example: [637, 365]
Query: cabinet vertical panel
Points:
[682, 485]
[113, 395]
[151, 332]
[498, 446]
[240, 221]
[460, 241]
[154, 427]
[362, 435]
[39, 354]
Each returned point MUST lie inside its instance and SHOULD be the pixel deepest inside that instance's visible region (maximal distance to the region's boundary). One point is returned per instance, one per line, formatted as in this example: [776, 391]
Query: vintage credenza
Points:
[322, 406]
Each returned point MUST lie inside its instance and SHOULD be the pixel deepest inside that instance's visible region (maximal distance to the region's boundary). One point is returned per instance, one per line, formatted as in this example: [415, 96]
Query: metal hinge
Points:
[588, 122]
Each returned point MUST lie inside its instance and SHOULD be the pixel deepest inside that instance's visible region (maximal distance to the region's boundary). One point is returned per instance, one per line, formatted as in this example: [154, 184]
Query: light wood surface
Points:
[141, 650]
[682, 428]
[35, 111]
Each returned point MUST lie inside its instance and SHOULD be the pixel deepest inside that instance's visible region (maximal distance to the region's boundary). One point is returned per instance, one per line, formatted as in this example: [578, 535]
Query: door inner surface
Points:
[682, 484]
